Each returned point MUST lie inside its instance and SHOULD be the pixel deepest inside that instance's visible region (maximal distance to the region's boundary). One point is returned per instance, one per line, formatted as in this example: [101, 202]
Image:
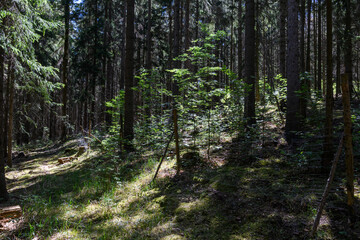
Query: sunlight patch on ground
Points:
[173, 237]
[67, 234]
[190, 206]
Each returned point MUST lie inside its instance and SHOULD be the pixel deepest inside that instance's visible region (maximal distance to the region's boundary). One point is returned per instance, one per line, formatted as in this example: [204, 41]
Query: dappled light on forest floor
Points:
[265, 199]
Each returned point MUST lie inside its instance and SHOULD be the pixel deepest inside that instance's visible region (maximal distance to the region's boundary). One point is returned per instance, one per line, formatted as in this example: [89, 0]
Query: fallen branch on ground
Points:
[327, 188]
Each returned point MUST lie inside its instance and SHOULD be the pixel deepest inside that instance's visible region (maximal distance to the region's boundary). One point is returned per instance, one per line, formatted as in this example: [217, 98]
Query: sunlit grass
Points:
[90, 198]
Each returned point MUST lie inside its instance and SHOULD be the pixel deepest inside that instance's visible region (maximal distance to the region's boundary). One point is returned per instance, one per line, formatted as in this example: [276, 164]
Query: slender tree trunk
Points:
[240, 43]
[257, 54]
[349, 157]
[65, 68]
[148, 37]
[197, 19]
[302, 36]
[293, 81]
[129, 76]
[175, 87]
[348, 45]
[283, 14]
[308, 51]
[187, 25]
[3, 191]
[328, 140]
[250, 61]
[109, 59]
[11, 115]
[319, 77]
[338, 65]
[315, 45]
[231, 41]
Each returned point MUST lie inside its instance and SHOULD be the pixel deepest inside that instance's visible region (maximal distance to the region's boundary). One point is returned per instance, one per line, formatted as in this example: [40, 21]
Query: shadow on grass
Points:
[261, 199]
[225, 203]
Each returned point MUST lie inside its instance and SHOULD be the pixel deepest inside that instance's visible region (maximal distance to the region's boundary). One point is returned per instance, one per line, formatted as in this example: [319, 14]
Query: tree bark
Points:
[308, 52]
[293, 82]
[65, 68]
[319, 68]
[349, 157]
[3, 191]
[283, 14]
[11, 115]
[328, 151]
[240, 43]
[302, 36]
[129, 76]
[176, 87]
[250, 61]
[348, 45]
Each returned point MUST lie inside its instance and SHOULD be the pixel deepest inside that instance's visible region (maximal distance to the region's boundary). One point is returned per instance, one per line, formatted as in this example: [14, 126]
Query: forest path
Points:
[29, 173]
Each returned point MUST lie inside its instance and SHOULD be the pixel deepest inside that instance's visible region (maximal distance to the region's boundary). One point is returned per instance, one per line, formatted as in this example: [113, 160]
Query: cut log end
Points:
[10, 212]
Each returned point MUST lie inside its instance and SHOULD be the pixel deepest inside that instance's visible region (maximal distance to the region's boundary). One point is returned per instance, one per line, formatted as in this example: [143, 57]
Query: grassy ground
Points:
[231, 196]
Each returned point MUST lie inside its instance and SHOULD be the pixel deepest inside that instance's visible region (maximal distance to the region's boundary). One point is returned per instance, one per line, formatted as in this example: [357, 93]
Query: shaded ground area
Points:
[230, 196]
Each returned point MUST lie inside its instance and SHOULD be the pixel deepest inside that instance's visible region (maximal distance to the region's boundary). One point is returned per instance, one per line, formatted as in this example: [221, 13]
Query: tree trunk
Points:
[302, 36]
[11, 115]
[175, 87]
[338, 65]
[65, 68]
[240, 43]
[293, 82]
[348, 45]
[349, 157]
[319, 48]
[283, 14]
[308, 52]
[315, 45]
[109, 62]
[328, 140]
[250, 61]
[129, 76]
[3, 191]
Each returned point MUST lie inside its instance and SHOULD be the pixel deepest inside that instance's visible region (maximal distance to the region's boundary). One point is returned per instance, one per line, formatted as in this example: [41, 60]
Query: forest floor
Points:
[228, 196]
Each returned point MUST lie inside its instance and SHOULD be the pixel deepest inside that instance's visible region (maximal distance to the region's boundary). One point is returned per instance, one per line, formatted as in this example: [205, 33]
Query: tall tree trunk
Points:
[250, 61]
[319, 77]
[232, 40]
[293, 81]
[11, 115]
[65, 68]
[187, 41]
[175, 87]
[328, 140]
[349, 157]
[302, 36]
[315, 45]
[308, 51]
[283, 14]
[3, 191]
[109, 61]
[338, 65]
[240, 43]
[148, 38]
[129, 76]
[348, 45]
[197, 19]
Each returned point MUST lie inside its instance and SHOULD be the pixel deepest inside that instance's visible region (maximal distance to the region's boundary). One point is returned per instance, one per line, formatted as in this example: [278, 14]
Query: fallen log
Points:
[10, 212]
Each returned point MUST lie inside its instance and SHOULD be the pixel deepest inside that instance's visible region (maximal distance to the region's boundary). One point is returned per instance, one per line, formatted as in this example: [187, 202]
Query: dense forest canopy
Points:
[136, 76]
